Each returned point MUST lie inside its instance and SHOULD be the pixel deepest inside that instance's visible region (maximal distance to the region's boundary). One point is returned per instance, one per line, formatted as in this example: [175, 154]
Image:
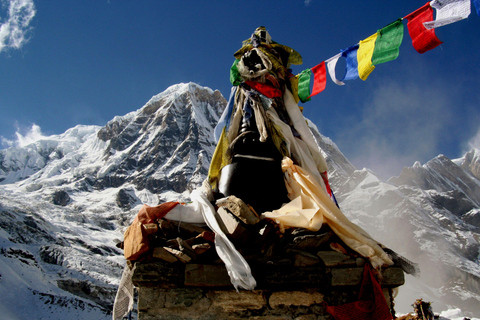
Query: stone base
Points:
[184, 292]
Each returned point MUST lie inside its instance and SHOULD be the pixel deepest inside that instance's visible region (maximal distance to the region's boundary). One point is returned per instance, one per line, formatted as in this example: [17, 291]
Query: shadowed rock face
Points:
[173, 131]
[60, 198]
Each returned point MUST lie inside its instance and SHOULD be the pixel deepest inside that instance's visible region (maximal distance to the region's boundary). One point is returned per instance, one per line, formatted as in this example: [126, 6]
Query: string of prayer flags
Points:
[331, 64]
[384, 45]
[351, 63]
[448, 11]
[477, 6]
[387, 45]
[364, 56]
[423, 39]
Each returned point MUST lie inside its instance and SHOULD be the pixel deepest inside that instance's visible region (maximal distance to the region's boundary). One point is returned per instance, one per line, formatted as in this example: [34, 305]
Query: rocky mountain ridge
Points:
[66, 199]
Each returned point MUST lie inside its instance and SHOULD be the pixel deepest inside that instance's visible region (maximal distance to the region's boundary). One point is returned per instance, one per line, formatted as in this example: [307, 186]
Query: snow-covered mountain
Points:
[65, 199]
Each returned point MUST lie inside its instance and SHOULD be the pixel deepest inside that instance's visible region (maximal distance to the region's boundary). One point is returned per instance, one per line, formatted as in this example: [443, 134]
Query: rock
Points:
[294, 298]
[124, 200]
[230, 225]
[239, 208]
[231, 301]
[311, 240]
[336, 259]
[204, 275]
[163, 254]
[60, 198]
[179, 254]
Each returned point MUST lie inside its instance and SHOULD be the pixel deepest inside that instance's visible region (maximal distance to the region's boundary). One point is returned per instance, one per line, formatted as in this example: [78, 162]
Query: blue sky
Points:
[84, 62]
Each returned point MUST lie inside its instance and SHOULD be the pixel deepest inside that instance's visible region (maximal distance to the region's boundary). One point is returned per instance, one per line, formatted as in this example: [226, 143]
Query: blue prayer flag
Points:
[477, 5]
[351, 63]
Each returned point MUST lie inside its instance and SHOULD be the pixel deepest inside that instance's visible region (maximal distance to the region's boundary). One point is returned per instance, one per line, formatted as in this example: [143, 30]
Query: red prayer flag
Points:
[371, 302]
[422, 38]
[319, 78]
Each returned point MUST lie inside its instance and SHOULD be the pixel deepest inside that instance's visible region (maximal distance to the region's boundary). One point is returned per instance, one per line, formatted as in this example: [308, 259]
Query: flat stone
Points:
[158, 273]
[150, 298]
[230, 225]
[201, 248]
[239, 208]
[305, 259]
[179, 254]
[187, 227]
[310, 241]
[392, 277]
[204, 275]
[335, 259]
[346, 276]
[232, 301]
[162, 254]
[182, 297]
[280, 276]
[294, 298]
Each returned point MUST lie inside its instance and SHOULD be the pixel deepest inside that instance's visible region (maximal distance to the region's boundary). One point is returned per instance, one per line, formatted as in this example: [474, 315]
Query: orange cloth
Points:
[149, 214]
[311, 206]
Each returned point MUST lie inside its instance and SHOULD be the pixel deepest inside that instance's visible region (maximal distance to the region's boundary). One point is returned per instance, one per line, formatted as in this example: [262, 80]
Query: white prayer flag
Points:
[331, 63]
[448, 11]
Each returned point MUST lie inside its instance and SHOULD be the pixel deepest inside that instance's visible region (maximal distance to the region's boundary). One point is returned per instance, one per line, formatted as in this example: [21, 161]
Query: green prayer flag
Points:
[304, 85]
[388, 43]
[235, 78]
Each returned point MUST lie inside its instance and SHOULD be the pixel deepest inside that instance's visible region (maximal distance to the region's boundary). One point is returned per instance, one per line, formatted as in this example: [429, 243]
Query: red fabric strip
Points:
[423, 39]
[319, 78]
[265, 89]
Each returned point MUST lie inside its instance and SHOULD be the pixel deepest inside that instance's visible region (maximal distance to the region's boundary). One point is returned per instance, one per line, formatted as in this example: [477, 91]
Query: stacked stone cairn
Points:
[297, 271]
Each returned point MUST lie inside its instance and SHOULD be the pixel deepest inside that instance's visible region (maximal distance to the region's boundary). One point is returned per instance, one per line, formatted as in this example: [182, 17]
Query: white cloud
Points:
[401, 124]
[32, 135]
[474, 142]
[15, 26]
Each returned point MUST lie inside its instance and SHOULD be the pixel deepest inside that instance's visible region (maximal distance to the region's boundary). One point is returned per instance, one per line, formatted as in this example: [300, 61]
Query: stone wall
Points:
[196, 291]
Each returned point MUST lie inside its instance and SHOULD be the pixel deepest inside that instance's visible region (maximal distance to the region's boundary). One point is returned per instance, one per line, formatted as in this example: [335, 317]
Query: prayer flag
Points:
[364, 56]
[304, 85]
[319, 78]
[331, 64]
[351, 67]
[477, 6]
[422, 39]
[387, 46]
[448, 11]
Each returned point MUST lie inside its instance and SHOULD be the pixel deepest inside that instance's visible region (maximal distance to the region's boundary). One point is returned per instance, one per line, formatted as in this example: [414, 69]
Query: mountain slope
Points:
[65, 200]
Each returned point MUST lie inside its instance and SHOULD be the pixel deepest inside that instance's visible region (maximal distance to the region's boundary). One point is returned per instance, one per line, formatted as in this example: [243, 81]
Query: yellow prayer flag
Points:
[364, 56]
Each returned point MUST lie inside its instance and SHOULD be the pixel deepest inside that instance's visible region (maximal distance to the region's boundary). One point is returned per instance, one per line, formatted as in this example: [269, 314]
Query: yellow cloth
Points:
[311, 206]
[219, 160]
[364, 56]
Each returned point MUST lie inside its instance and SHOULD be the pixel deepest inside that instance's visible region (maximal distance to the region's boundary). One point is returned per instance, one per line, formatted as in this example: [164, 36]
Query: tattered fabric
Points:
[311, 206]
[423, 39]
[448, 11]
